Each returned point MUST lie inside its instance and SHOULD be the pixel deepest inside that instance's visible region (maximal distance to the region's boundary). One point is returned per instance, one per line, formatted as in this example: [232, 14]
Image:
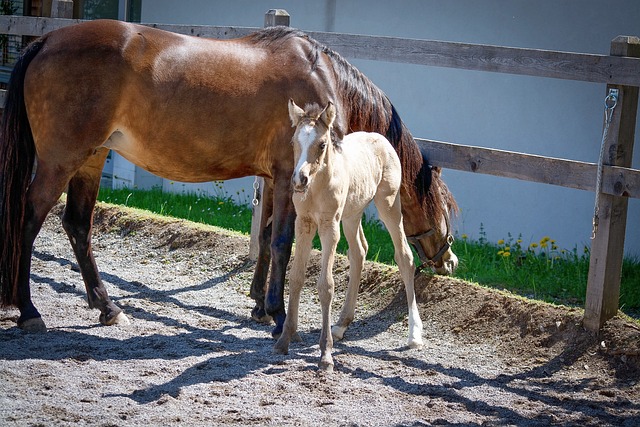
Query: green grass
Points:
[540, 270]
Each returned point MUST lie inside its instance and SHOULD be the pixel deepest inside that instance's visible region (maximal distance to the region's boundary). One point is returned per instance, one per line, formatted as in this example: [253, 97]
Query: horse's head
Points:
[311, 140]
[429, 231]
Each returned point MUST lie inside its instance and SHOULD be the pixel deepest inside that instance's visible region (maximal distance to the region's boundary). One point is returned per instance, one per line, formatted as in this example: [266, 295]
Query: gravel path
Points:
[192, 356]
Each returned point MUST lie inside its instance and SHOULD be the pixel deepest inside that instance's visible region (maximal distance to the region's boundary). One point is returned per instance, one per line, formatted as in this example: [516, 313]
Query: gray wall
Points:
[533, 115]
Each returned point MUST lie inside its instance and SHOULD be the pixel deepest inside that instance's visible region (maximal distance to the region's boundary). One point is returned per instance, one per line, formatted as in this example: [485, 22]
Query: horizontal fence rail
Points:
[531, 62]
[616, 180]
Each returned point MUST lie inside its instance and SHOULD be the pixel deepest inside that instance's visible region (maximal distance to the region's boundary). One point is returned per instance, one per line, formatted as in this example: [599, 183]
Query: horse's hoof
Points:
[277, 331]
[413, 343]
[260, 315]
[33, 325]
[326, 366]
[280, 348]
[337, 332]
[119, 319]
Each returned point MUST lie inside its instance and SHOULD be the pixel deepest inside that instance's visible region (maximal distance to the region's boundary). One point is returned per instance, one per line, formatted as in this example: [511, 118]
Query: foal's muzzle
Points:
[299, 182]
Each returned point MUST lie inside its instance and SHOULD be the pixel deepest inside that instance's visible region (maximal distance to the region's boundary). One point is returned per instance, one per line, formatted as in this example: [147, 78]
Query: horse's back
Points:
[369, 152]
[373, 166]
[149, 94]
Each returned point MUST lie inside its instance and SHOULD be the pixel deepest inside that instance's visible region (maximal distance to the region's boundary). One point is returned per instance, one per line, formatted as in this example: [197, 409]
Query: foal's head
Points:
[311, 140]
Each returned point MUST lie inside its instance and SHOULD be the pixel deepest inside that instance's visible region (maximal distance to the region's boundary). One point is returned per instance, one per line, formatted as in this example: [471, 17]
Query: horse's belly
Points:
[186, 165]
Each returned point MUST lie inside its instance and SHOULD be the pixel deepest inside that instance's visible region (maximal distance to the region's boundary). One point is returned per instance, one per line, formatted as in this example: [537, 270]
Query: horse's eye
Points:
[323, 146]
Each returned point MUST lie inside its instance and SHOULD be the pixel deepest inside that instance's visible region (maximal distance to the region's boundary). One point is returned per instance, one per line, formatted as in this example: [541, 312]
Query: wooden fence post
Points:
[607, 248]
[272, 18]
[62, 9]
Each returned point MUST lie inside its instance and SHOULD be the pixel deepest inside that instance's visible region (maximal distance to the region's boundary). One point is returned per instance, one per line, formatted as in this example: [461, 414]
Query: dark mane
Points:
[367, 108]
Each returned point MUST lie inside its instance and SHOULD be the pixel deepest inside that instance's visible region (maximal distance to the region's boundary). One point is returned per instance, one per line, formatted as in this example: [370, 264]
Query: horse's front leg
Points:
[358, 247]
[259, 282]
[77, 221]
[284, 216]
[305, 230]
[329, 235]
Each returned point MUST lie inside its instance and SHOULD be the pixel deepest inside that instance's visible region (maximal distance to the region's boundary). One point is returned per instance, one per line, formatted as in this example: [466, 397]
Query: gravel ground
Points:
[192, 355]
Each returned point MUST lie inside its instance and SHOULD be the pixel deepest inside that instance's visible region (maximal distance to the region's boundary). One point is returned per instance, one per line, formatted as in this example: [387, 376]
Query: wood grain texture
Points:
[607, 248]
[618, 181]
[532, 62]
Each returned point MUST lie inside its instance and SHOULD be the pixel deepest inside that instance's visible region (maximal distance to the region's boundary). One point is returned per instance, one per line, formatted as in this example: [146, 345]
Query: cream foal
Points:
[334, 181]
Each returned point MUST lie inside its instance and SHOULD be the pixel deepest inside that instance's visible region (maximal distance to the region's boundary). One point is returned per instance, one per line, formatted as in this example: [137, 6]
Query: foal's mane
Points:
[367, 108]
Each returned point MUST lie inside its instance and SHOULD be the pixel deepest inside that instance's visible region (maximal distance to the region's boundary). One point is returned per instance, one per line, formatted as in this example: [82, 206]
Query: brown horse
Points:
[187, 109]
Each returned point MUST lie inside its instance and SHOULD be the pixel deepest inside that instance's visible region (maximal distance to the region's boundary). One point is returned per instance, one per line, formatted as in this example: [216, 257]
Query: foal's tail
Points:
[17, 156]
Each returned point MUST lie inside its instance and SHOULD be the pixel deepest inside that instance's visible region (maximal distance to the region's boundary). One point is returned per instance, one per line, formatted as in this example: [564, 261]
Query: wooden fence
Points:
[619, 70]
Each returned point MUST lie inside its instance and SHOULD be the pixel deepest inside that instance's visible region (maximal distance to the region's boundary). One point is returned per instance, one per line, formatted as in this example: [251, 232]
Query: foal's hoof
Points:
[33, 325]
[325, 366]
[337, 332]
[415, 343]
[260, 315]
[119, 319]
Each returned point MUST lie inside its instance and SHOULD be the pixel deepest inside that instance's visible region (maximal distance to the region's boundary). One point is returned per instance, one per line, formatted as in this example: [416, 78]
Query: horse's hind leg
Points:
[44, 191]
[77, 221]
[388, 205]
[358, 247]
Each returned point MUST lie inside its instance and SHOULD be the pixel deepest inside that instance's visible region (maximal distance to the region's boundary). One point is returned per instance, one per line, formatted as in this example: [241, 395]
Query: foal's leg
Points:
[305, 230]
[329, 232]
[259, 282]
[352, 228]
[390, 213]
[77, 221]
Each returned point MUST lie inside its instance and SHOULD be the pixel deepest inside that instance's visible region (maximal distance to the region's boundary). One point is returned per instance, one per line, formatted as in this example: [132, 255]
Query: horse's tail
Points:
[17, 156]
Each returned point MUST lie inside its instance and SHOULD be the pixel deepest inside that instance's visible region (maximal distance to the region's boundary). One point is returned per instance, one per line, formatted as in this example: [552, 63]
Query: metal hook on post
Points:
[610, 103]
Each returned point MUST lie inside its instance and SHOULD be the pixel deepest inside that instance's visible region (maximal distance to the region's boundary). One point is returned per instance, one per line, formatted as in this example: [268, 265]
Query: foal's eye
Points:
[323, 145]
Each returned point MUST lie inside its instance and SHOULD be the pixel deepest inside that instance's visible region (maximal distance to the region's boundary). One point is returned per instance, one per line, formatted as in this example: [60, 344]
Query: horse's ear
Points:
[329, 114]
[295, 113]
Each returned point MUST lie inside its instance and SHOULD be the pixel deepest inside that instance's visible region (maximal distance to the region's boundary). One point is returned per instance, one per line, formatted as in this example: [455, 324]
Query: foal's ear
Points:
[329, 114]
[295, 113]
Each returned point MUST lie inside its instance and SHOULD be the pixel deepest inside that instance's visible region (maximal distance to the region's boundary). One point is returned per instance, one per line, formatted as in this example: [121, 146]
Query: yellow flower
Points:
[507, 249]
[500, 252]
[506, 254]
[533, 245]
[545, 239]
[501, 242]
[464, 237]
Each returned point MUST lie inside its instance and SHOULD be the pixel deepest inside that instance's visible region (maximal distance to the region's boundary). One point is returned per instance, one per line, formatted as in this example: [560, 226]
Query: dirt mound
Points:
[519, 327]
